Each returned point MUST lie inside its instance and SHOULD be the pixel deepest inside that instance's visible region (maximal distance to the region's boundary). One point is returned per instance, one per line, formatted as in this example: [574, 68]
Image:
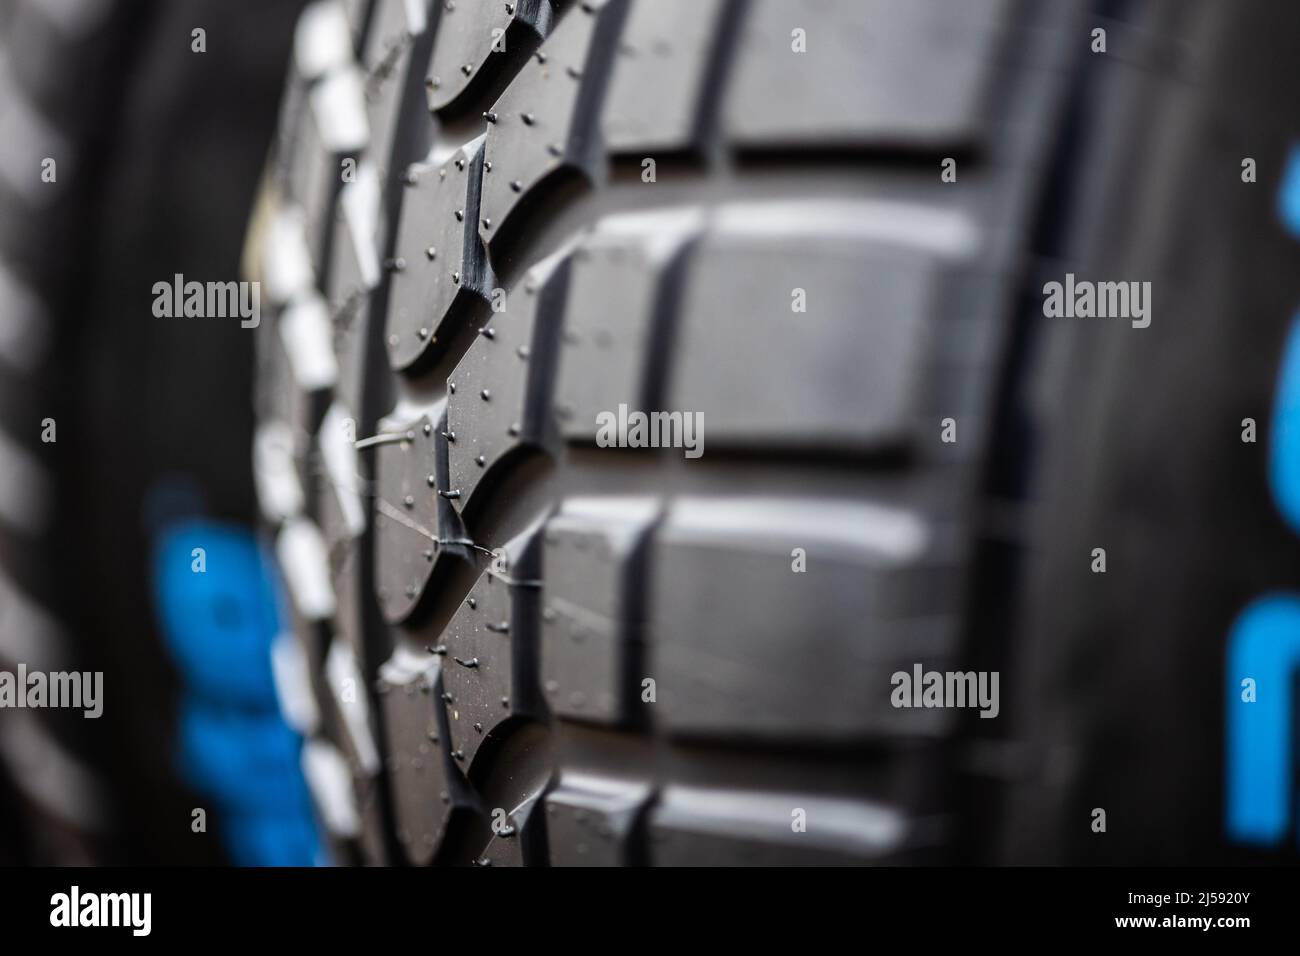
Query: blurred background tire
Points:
[157, 148]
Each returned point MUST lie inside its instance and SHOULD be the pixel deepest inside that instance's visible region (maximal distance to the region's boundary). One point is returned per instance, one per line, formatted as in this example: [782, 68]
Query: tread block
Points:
[372, 841]
[345, 570]
[277, 394]
[275, 472]
[362, 229]
[305, 329]
[338, 101]
[415, 527]
[690, 826]
[341, 474]
[438, 260]
[464, 45]
[591, 632]
[352, 274]
[428, 790]
[278, 397]
[383, 108]
[742, 644]
[545, 121]
[393, 24]
[910, 73]
[347, 692]
[490, 673]
[322, 41]
[332, 787]
[349, 324]
[300, 549]
[610, 356]
[591, 821]
[498, 396]
[285, 255]
[293, 109]
[26, 337]
[313, 178]
[661, 71]
[356, 12]
[519, 839]
[387, 59]
[850, 365]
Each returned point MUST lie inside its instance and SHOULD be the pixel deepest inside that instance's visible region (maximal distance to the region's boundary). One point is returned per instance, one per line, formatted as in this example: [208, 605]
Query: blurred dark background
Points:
[158, 151]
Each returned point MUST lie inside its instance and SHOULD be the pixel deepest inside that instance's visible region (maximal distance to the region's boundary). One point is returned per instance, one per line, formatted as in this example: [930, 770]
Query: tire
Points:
[1128, 683]
[46, 820]
[527, 647]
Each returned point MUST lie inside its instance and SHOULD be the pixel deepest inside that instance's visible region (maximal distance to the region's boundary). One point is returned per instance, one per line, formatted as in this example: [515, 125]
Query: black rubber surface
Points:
[592, 655]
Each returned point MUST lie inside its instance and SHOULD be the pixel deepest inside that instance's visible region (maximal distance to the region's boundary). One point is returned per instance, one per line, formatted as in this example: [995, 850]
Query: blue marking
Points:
[1264, 645]
[1288, 200]
[219, 623]
[262, 839]
[234, 746]
[246, 761]
[1284, 457]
